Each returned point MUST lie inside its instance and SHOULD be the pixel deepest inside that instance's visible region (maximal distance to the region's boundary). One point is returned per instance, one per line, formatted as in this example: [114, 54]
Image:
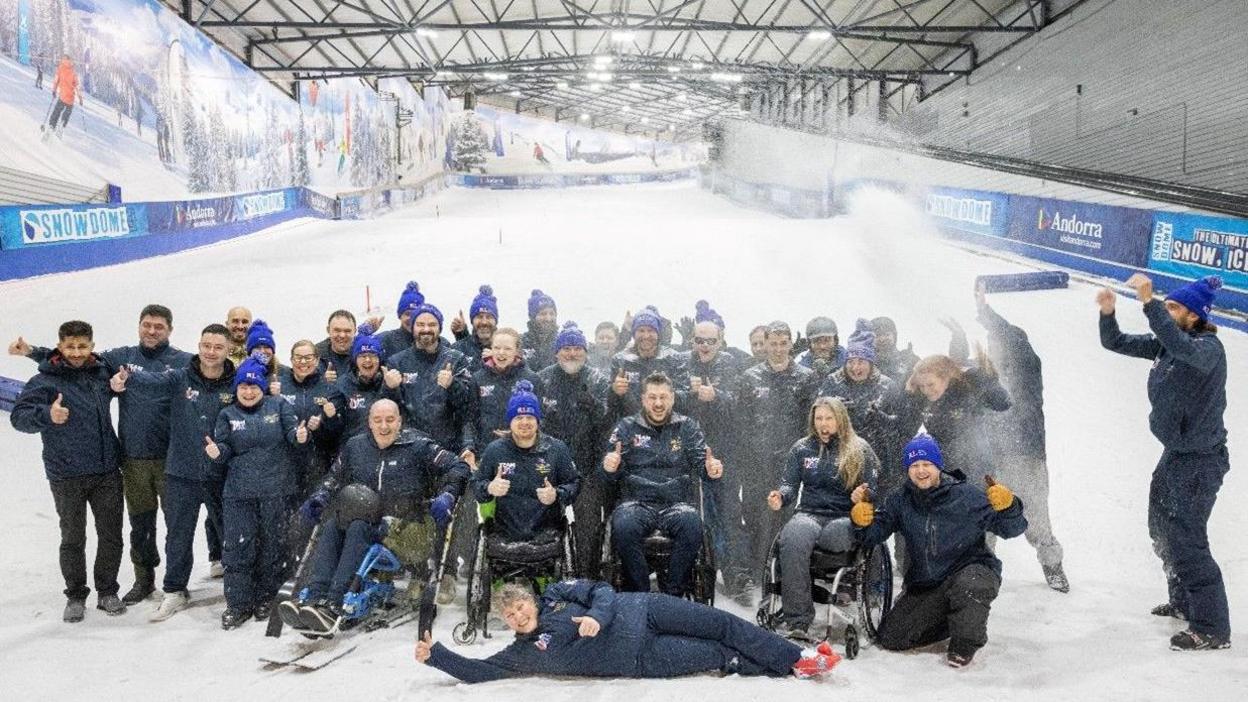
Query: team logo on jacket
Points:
[289, 398]
[641, 441]
[226, 398]
[506, 468]
[762, 393]
[549, 402]
[238, 424]
[486, 391]
[409, 378]
[810, 462]
[272, 418]
[543, 468]
[134, 368]
[543, 642]
[320, 401]
[356, 402]
[192, 394]
[675, 444]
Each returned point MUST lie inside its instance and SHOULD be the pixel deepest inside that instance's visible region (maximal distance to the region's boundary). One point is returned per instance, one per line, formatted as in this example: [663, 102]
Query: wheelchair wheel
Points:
[851, 642]
[464, 634]
[875, 590]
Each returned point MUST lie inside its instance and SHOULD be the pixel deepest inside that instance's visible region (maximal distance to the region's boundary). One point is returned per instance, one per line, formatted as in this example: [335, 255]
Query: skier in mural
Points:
[539, 154]
[64, 88]
[342, 155]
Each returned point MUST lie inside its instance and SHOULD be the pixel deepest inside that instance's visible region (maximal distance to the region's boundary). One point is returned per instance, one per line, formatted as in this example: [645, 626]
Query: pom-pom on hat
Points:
[259, 334]
[484, 302]
[524, 402]
[862, 342]
[922, 448]
[704, 313]
[648, 317]
[410, 298]
[538, 301]
[570, 335]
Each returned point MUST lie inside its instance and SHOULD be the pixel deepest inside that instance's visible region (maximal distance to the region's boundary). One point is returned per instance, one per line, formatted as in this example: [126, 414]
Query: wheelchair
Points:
[545, 559]
[658, 550]
[856, 586]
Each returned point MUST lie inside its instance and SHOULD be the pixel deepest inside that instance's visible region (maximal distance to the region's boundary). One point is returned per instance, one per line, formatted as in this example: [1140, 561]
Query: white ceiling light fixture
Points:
[673, 69]
[697, 65]
[491, 75]
[623, 36]
[635, 85]
[584, 117]
[645, 120]
[426, 33]
[601, 61]
[515, 93]
[562, 85]
[818, 35]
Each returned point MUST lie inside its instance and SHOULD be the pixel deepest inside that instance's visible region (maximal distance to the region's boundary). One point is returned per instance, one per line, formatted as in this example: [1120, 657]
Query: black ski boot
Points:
[234, 618]
[144, 586]
[288, 610]
[1195, 641]
[321, 617]
[261, 611]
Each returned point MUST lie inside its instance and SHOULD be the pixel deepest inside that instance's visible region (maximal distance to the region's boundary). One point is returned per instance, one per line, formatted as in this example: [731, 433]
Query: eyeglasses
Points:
[303, 359]
[705, 341]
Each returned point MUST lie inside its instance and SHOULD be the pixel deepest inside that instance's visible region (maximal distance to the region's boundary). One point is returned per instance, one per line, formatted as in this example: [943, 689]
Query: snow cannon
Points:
[1021, 282]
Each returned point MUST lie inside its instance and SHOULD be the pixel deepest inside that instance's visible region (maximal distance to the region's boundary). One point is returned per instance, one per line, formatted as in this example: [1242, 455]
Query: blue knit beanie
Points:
[1197, 295]
[259, 334]
[648, 317]
[539, 300]
[484, 302]
[410, 298]
[424, 307]
[706, 314]
[570, 335]
[523, 401]
[922, 448]
[252, 372]
[366, 343]
[862, 342]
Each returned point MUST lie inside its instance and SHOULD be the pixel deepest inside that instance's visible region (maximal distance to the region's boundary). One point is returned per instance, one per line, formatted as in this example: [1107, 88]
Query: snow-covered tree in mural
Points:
[471, 143]
[303, 174]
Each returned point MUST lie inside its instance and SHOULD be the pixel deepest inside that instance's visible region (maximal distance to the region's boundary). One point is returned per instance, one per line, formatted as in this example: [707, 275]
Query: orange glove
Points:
[862, 514]
[999, 496]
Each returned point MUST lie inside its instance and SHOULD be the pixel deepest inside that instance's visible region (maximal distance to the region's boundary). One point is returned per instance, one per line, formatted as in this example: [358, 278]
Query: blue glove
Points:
[312, 508]
[441, 508]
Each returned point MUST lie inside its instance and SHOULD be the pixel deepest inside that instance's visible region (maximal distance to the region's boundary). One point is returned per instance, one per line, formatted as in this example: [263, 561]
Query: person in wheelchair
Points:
[655, 456]
[952, 577]
[402, 467]
[584, 628]
[530, 476]
[825, 466]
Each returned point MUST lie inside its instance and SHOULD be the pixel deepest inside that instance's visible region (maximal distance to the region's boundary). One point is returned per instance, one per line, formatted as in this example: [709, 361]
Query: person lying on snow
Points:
[583, 628]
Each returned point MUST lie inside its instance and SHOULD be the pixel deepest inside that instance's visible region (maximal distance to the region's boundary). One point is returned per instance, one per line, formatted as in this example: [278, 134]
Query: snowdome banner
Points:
[125, 92]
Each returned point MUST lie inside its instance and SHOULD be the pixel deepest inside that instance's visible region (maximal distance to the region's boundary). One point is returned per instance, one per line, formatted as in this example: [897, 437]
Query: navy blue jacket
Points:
[813, 468]
[490, 408]
[143, 419]
[957, 420]
[807, 359]
[944, 528]
[538, 349]
[359, 396]
[714, 417]
[519, 515]
[194, 403]
[574, 410]
[404, 473]
[1187, 384]
[897, 364]
[83, 445]
[471, 348]
[443, 414]
[307, 399]
[636, 369]
[875, 408]
[395, 341]
[340, 362]
[659, 465]
[555, 647]
[1018, 431]
[772, 410]
[254, 445]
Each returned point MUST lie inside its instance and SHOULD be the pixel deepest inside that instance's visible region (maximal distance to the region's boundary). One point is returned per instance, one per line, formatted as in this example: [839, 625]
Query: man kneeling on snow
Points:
[583, 628]
[952, 577]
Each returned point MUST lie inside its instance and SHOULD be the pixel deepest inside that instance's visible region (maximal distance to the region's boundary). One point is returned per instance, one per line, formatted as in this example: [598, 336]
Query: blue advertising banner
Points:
[189, 214]
[41, 225]
[1193, 246]
[1115, 234]
[23, 32]
[322, 205]
[969, 210]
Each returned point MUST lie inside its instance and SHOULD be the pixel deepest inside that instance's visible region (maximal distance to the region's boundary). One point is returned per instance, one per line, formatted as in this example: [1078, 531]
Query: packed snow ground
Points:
[599, 251]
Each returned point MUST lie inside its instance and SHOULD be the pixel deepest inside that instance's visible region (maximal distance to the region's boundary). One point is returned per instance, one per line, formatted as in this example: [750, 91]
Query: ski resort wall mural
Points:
[125, 92]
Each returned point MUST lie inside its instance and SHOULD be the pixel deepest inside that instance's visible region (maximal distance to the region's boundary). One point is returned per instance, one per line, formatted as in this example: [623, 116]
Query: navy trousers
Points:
[632, 522]
[254, 545]
[183, 498]
[1180, 500]
[689, 638]
[338, 555]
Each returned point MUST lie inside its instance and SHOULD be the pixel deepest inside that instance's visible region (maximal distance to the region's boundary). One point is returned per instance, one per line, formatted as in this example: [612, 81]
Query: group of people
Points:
[795, 443]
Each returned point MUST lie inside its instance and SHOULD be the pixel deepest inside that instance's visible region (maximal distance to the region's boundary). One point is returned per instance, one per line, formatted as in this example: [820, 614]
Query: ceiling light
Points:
[515, 93]
[562, 85]
[819, 35]
[584, 117]
[628, 108]
[635, 85]
[645, 120]
[426, 33]
[490, 75]
[682, 97]
[623, 36]
[727, 77]
[596, 87]
[673, 69]
[696, 65]
[601, 61]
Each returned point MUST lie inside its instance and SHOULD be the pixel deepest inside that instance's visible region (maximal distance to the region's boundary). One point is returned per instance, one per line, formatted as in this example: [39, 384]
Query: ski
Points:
[294, 652]
[319, 659]
[316, 654]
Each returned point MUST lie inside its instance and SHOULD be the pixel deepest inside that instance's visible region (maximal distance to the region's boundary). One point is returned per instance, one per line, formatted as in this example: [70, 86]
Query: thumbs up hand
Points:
[58, 411]
[619, 386]
[611, 461]
[706, 391]
[211, 448]
[19, 348]
[499, 486]
[331, 374]
[999, 496]
[118, 381]
[329, 410]
[862, 493]
[445, 375]
[301, 434]
[392, 378]
[546, 493]
[314, 422]
[458, 325]
[275, 387]
[714, 466]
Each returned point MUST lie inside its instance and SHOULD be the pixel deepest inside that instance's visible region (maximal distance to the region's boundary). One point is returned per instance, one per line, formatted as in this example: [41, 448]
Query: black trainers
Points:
[75, 610]
[1056, 578]
[1195, 641]
[261, 611]
[1169, 610]
[234, 618]
[959, 660]
[319, 616]
[288, 610]
[110, 604]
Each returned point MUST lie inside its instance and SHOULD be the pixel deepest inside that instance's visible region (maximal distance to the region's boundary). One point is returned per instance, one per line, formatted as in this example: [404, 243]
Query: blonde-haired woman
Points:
[825, 467]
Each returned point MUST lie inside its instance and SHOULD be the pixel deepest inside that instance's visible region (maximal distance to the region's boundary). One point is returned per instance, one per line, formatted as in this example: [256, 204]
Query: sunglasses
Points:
[705, 341]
